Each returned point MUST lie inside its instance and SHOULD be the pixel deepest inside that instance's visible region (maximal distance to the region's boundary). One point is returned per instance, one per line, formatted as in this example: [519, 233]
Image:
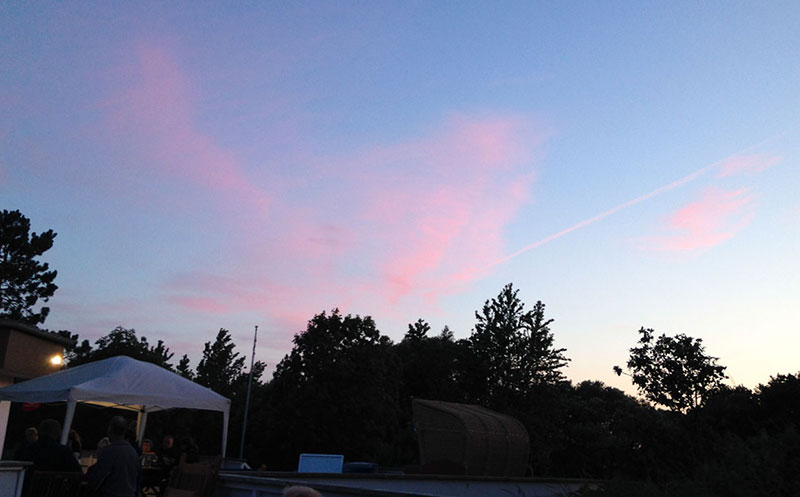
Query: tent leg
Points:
[5, 406]
[225, 415]
[141, 423]
[68, 421]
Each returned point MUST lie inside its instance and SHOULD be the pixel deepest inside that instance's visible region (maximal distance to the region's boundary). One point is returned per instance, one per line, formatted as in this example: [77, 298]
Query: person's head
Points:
[130, 433]
[31, 435]
[50, 429]
[103, 443]
[116, 428]
[300, 491]
[188, 445]
[167, 441]
[73, 435]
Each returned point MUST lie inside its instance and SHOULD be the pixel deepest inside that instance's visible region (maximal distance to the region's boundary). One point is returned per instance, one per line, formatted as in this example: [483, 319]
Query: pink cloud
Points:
[157, 111]
[403, 224]
[205, 305]
[370, 230]
[742, 164]
[442, 214]
[715, 218]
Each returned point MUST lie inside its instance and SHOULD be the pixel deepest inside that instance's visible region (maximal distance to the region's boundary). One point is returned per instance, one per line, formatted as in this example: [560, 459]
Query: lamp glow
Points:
[56, 360]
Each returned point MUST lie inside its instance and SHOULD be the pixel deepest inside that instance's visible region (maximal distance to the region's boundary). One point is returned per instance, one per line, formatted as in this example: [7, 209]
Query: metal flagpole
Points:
[247, 402]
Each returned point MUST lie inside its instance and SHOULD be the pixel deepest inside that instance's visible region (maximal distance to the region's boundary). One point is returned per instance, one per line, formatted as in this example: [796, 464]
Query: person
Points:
[74, 443]
[49, 454]
[28, 447]
[116, 472]
[103, 443]
[300, 491]
[168, 453]
[189, 450]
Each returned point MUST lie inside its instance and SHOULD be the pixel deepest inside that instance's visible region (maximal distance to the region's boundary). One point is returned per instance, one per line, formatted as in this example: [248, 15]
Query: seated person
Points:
[168, 453]
[49, 454]
[189, 450]
[116, 473]
[28, 447]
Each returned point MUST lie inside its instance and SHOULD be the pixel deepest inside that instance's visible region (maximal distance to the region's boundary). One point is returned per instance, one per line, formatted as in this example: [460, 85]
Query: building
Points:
[26, 352]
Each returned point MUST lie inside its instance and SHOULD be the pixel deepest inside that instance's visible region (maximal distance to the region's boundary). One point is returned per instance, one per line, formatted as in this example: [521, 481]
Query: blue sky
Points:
[212, 166]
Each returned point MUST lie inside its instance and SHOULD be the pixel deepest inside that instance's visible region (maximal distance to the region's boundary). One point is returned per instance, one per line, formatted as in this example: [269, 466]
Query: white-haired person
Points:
[300, 491]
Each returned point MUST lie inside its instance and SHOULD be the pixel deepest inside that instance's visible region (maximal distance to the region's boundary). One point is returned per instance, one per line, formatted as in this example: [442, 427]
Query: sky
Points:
[216, 165]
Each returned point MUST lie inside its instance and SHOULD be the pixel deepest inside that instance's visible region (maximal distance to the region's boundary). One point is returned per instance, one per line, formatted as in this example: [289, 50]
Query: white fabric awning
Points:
[123, 383]
[120, 382]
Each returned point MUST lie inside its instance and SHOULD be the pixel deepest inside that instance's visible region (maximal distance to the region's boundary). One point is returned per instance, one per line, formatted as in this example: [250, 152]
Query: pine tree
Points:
[24, 280]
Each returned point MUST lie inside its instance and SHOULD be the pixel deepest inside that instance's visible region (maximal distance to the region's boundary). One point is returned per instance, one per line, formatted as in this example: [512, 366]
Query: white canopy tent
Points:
[123, 383]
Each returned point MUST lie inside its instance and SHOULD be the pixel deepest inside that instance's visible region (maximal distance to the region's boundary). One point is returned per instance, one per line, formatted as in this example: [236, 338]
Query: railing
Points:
[12, 476]
[258, 484]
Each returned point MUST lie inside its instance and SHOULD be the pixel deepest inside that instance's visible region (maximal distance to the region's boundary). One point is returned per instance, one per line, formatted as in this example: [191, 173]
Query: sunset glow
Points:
[213, 167]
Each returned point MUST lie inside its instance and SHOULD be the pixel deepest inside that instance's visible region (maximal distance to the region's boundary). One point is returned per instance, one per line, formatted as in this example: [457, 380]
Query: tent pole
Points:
[5, 407]
[141, 423]
[68, 421]
[225, 415]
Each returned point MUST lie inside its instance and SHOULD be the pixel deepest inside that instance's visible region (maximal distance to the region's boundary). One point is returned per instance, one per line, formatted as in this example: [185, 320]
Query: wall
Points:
[27, 356]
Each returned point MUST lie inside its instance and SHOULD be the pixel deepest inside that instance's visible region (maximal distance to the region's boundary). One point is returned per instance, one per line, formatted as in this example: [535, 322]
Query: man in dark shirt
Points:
[49, 455]
[168, 453]
[117, 468]
[28, 448]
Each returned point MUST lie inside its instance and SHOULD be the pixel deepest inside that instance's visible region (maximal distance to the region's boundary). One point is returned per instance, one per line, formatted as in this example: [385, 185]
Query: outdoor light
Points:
[56, 360]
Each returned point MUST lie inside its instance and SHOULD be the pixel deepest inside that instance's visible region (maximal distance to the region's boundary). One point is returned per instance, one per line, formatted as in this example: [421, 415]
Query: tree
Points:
[24, 280]
[514, 348]
[184, 369]
[674, 372]
[418, 330]
[121, 341]
[337, 391]
[780, 400]
[220, 366]
[428, 364]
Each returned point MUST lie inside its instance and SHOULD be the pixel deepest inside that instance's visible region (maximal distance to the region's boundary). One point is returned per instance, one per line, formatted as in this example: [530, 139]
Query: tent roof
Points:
[121, 382]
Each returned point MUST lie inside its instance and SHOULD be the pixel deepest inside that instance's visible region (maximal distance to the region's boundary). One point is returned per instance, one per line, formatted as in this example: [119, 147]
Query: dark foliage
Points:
[336, 392]
[512, 351]
[220, 367]
[674, 371]
[24, 281]
[120, 341]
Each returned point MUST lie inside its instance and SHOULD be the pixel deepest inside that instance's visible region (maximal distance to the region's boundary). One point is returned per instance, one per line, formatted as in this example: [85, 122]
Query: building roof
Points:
[33, 330]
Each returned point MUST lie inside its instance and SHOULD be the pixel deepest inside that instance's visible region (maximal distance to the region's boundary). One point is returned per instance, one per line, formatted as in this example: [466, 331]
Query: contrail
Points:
[629, 203]
[605, 214]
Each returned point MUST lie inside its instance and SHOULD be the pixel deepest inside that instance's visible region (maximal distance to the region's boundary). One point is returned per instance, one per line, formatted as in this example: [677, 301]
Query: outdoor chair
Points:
[193, 479]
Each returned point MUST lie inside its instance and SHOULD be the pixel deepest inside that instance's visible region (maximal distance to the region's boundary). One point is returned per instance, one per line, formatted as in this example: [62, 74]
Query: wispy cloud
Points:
[379, 226]
[155, 111]
[412, 220]
[716, 217]
[741, 164]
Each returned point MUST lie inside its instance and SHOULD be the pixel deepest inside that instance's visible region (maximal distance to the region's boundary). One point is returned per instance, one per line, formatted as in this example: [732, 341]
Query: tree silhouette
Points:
[674, 371]
[220, 366]
[184, 369]
[121, 341]
[428, 364]
[418, 330]
[24, 280]
[336, 391]
[514, 348]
